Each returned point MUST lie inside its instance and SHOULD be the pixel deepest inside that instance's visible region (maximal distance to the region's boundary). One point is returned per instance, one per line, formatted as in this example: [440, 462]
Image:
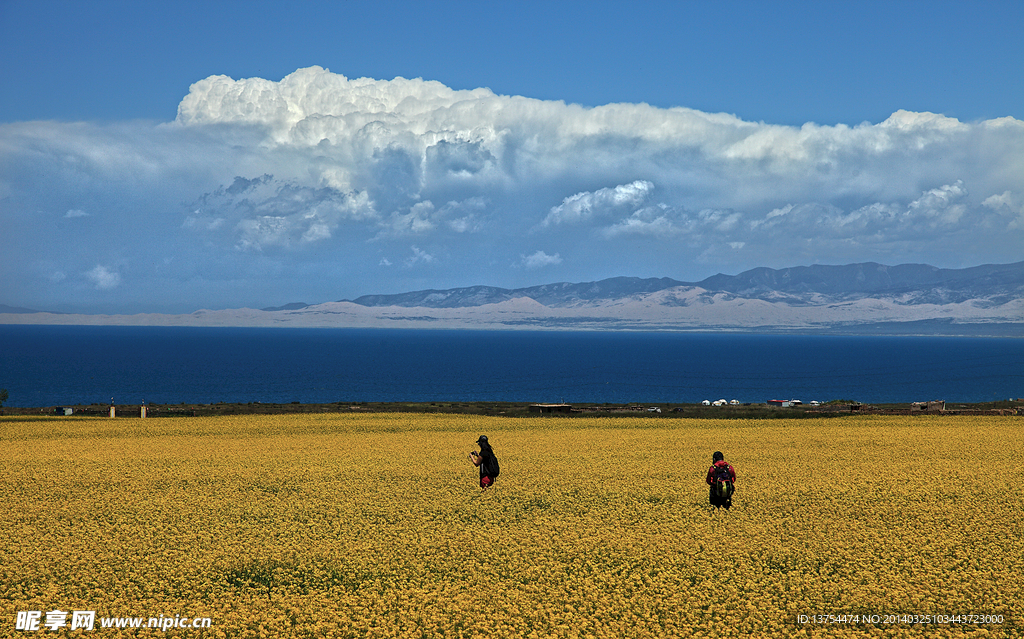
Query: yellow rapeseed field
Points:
[354, 525]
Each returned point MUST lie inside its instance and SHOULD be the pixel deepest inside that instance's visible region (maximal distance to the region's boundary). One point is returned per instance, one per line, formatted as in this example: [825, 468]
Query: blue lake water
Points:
[55, 365]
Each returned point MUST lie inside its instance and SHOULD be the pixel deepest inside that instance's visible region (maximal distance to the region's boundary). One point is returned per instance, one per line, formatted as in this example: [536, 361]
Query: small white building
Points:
[934, 406]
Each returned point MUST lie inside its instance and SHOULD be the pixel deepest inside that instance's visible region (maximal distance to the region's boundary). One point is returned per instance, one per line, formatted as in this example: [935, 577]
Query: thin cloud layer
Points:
[311, 187]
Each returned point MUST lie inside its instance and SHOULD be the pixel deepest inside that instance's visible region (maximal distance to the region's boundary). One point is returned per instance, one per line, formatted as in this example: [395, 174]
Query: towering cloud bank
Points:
[409, 154]
[383, 185]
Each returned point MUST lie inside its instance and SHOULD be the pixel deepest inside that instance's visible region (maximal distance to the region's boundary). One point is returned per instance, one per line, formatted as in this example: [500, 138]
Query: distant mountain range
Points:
[911, 283]
[866, 298]
[4, 308]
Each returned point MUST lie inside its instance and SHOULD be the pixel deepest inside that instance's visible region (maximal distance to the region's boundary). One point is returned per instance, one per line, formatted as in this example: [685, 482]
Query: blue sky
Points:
[740, 134]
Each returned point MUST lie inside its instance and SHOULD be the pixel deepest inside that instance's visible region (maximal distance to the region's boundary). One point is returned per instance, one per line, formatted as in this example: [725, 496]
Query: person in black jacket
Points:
[486, 461]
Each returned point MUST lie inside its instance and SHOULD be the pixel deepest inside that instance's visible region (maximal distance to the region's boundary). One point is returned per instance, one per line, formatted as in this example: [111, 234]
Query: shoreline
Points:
[923, 328]
[654, 410]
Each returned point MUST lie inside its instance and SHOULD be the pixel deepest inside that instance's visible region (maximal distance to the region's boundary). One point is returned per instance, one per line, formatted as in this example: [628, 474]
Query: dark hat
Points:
[482, 439]
[718, 456]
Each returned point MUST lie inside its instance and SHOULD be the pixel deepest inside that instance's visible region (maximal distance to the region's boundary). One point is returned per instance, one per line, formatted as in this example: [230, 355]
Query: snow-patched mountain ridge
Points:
[801, 285]
[858, 298]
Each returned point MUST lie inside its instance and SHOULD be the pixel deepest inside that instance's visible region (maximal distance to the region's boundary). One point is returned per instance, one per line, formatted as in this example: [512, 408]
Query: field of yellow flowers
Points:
[374, 526]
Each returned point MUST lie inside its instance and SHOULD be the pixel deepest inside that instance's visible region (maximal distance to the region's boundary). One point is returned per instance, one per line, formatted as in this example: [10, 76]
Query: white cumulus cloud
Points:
[103, 278]
[540, 259]
[943, 205]
[268, 212]
[586, 205]
[418, 256]
[1008, 205]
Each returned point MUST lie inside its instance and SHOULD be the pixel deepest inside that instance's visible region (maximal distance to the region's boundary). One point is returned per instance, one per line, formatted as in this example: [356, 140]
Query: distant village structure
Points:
[936, 406]
[550, 408]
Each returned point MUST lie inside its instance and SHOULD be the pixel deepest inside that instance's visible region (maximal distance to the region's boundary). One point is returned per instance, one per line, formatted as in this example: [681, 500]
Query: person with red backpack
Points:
[721, 478]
